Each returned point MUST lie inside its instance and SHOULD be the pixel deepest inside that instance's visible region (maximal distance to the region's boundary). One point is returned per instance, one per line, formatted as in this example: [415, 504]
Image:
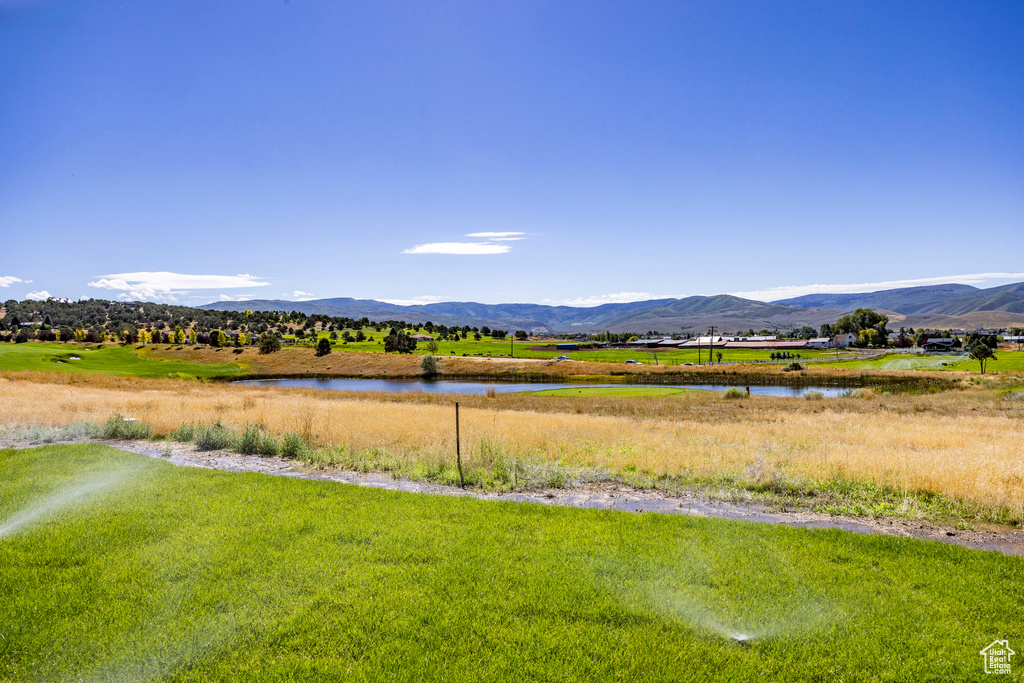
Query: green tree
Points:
[868, 337]
[270, 343]
[863, 319]
[428, 366]
[398, 340]
[982, 353]
[323, 347]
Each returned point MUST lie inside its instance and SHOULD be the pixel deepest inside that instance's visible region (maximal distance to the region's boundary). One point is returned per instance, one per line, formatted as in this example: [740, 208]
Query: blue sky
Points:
[552, 152]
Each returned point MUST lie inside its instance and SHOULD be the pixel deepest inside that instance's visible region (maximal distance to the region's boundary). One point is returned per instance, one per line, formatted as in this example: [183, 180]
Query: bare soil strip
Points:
[600, 495]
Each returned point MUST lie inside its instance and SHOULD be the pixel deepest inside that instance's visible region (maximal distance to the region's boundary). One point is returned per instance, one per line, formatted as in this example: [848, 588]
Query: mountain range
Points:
[937, 306]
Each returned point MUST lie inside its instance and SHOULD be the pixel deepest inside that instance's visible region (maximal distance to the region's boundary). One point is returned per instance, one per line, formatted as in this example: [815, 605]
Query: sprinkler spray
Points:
[741, 639]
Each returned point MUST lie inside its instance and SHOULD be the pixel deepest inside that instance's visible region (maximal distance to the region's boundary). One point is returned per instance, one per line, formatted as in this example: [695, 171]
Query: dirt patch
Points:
[598, 495]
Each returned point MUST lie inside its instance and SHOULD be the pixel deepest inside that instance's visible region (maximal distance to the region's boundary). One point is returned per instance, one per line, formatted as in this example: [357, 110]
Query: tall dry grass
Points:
[926, 444]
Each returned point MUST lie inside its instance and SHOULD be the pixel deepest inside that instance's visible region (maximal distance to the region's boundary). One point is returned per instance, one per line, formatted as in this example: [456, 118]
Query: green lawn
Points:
[111, 359]
[1008, 361]
[193, 575]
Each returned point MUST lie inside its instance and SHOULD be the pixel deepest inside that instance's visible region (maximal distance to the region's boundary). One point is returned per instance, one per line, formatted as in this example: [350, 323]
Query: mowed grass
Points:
[194, 575]
[1007, 361]
[111, 359]
[613, 391]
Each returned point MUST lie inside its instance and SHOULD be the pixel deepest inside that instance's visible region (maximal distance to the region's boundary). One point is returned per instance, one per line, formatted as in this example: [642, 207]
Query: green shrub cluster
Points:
[127, 428]
[213, 437]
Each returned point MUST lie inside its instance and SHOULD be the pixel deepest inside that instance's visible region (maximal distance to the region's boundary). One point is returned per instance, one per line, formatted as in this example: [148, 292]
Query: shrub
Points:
[860, 393]
[793, 366]
[269, 445]
[734, 392]
[128, 428]
[76, 431]
[213, 437]
[249, 441]
[293, 445]
[813, 395]
[183, 433]
[428, 366]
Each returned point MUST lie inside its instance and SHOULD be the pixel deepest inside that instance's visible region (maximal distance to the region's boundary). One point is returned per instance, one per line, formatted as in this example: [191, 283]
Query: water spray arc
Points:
[66, 497]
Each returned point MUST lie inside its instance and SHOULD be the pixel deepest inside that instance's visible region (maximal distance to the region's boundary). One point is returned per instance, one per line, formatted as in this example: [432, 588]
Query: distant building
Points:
[845, 339]
[422, 337]
[938, 344]
[819, 343]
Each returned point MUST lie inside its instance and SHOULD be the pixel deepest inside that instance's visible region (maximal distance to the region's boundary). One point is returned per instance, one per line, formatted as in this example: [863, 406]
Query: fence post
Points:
[458, 448]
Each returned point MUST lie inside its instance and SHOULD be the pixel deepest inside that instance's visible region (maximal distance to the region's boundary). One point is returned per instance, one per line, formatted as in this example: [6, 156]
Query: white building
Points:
[845, 339]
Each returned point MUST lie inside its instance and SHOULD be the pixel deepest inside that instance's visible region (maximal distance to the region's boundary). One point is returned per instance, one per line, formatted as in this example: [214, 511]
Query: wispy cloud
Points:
[460, 248]
[499, 236]
[788, 292]
[8, 280]
[164, 286]
[491, 245]
[41, 295]
[416, 300]
[302, 296]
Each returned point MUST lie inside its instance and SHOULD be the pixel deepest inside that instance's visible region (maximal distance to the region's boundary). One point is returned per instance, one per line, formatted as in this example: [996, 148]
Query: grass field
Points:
[182, 574]
[107, 359]
[952, 453]
[1008, 361]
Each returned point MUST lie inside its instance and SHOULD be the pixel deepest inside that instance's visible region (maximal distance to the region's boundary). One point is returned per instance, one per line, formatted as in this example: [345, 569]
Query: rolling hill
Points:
[694, 313]
[938, 306]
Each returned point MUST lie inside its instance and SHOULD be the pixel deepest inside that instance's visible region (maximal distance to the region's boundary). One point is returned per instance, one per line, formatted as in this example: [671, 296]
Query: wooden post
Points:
[458, 450]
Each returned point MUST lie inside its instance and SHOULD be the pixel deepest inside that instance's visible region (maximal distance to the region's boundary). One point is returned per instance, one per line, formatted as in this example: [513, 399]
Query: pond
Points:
[456, 386]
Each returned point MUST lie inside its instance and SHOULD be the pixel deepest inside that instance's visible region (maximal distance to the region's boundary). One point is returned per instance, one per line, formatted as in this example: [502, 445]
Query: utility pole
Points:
[711, 344]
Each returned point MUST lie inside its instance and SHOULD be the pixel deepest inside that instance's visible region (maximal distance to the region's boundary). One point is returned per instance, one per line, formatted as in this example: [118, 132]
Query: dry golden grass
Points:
[962, 444]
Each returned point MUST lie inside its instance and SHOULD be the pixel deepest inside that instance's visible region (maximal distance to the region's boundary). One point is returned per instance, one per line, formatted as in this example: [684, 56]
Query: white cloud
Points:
[164, 286]
[788, 292]
[416, 300]
[489, 246]
[8, 280]
[460, 248]
[498, 235]
[41, 295]
[302, 296]
[597, 300]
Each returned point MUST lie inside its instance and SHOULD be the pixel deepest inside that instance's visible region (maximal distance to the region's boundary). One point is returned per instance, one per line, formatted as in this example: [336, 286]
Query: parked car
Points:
[687, 363]
[563, 358]
[633, 362]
